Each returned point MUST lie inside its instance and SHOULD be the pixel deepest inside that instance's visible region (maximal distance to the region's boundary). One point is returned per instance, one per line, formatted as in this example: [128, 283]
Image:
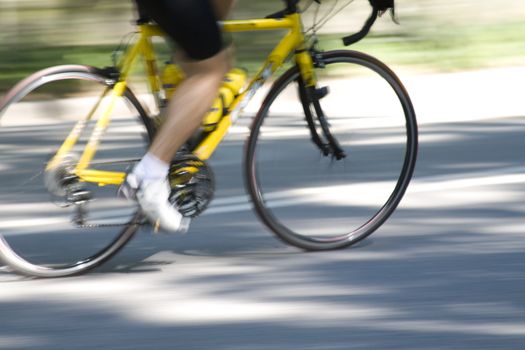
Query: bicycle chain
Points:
[89, 226]
[191, 180]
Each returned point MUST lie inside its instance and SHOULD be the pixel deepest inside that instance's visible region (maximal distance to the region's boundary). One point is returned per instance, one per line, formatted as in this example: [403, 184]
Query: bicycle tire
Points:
[17, 256]
[275, 205]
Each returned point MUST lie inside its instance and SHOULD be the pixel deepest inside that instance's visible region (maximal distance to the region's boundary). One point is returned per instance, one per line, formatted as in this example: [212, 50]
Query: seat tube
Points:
[100, 128]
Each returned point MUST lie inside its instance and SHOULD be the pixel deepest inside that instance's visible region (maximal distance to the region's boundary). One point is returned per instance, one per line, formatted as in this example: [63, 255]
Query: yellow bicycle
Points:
[327, 160]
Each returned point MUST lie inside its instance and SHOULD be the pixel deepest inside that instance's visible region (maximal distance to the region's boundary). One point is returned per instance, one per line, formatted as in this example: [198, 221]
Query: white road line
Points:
[363, 194]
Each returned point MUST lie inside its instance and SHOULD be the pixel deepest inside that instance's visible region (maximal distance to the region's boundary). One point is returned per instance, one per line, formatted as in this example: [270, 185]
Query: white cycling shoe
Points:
[152, 197]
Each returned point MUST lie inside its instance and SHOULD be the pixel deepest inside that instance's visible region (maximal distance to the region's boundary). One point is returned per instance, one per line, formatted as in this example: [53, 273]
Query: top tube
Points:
[143, 18]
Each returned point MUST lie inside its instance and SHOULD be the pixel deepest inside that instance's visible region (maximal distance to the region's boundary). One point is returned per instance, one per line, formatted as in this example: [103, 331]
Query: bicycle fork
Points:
[310, 97]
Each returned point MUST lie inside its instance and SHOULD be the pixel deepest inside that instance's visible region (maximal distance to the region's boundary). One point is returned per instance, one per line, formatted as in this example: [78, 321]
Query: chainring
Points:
[192, 184]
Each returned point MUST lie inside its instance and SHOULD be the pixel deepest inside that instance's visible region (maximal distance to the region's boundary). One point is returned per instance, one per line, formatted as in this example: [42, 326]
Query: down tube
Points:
[275, 60]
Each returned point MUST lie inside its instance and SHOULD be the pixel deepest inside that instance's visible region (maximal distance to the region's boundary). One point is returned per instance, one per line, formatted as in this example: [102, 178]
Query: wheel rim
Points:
[36, 224]
[316, 203]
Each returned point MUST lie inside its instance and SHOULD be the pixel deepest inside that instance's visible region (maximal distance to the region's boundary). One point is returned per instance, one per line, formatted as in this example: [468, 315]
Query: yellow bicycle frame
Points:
[292, 43]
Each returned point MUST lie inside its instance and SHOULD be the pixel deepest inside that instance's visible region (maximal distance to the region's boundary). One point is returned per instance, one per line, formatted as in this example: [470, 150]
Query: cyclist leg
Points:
[193, 25]
[205, 62]
[189, 103]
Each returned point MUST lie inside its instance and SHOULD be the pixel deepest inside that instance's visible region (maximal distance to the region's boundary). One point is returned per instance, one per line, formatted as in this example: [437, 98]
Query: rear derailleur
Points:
[67, 190]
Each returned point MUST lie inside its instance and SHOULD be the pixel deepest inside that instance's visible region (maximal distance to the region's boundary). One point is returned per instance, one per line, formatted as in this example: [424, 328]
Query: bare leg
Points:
[189, 103]
[193, 97]
[186, 109]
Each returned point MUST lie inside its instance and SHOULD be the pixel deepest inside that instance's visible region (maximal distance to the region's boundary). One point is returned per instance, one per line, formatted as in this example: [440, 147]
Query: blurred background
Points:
[445, 272]
[436, 35]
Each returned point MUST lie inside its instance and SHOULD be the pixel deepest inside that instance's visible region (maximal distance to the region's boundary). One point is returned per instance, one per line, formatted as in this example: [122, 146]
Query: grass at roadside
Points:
[448, 49]
[452, 49]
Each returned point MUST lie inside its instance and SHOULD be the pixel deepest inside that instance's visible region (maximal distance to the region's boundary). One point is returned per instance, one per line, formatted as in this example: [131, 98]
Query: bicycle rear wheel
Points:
[327, 183]
[41, 230]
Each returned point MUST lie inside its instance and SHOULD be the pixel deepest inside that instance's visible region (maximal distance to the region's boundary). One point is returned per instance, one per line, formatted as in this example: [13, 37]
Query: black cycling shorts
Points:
[192, 24]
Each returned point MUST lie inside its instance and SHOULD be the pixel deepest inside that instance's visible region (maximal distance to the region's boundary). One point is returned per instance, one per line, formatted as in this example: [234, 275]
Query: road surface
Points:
[447, 270]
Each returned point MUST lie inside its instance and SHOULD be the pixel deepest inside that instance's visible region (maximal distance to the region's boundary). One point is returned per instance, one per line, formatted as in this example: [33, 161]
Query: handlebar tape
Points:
[352, 39]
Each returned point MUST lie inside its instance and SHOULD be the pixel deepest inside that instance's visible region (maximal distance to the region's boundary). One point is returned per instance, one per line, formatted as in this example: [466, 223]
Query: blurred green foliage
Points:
[439, 35]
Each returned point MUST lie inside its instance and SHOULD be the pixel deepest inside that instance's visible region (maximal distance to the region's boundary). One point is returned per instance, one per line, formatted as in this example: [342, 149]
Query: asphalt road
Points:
[445, 272]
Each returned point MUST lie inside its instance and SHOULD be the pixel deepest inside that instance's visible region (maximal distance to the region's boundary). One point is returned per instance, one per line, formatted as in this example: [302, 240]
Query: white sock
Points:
[151, 168]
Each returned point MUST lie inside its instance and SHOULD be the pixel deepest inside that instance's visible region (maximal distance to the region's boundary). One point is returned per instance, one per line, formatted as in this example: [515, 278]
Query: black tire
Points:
[35, 117]
[379, 140]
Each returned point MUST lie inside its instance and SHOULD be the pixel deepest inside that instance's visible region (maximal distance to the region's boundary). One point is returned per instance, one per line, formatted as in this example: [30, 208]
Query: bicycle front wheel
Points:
[51, 223]
[326, 167]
